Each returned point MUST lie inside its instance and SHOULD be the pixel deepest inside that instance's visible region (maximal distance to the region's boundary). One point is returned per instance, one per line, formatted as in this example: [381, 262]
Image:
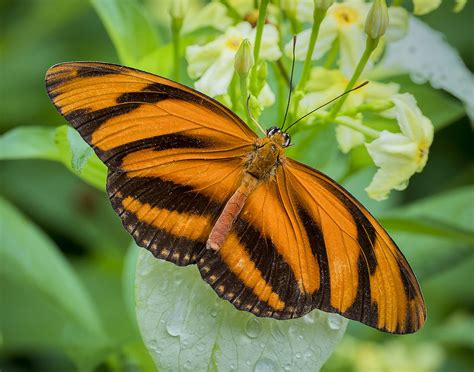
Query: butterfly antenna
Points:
[257, 124]
[327, 103]
[291, 83]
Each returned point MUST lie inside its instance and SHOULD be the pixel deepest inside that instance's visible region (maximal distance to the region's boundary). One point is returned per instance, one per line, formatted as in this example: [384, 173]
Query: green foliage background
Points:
[65, 272]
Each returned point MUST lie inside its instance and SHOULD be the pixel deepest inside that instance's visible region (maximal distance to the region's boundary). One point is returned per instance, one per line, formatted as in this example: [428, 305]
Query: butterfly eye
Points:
[286, 140]
[273, 130]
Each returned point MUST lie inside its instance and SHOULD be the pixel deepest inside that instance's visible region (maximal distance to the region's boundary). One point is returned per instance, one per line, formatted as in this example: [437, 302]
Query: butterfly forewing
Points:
[176, 156]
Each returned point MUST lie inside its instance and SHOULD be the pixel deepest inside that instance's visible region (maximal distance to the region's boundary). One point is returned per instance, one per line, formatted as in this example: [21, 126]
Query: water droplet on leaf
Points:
[253, 328]
[334, 321]
[265, 365]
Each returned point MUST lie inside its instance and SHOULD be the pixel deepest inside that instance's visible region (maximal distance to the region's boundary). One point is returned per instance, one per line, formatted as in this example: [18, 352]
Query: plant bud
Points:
[244, 58]
[377, 19]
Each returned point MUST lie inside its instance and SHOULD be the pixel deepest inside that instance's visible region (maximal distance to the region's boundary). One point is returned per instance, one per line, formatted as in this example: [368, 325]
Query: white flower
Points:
[400, 155]
[345, 22]
[348, 138]
[213, 63]
[325, 84]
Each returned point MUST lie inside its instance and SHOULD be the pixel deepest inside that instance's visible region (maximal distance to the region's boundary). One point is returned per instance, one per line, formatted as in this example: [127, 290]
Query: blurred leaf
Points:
[30, 260]
[458, 330]
[427, 226]
[453, 208]
[61, 144]
[440, 107]
[433, 248]
[130, 29]
[29, 143]
[78, 217]
[30, 257]
[185, 325]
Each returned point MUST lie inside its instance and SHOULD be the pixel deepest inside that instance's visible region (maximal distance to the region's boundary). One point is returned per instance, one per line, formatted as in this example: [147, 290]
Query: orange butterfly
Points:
[194, 185]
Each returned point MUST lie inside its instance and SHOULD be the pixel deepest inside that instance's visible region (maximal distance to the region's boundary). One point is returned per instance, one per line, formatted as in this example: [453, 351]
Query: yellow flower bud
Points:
[244, 58]
[377, 19]
[323, 4]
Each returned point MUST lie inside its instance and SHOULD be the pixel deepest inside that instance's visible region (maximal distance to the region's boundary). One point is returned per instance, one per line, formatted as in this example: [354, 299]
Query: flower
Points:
[400, 155]
[325, 84]
[213, 63]
[345, 22]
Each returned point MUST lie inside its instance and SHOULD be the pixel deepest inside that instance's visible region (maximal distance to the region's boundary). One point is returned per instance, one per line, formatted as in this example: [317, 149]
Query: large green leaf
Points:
[186, 326]
[32, 264]
[61, 144]
[131, 30]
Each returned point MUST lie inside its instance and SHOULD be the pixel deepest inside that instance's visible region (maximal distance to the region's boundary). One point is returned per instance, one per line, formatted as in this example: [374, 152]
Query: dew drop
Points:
[334, 321]
[187, 365]
[287, 367]
[175, 322]
[308, 354]
[298, 355]
[265, 365]
[253, 328]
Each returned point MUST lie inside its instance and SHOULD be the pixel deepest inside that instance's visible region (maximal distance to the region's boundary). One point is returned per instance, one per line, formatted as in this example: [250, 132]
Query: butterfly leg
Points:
[231, 210]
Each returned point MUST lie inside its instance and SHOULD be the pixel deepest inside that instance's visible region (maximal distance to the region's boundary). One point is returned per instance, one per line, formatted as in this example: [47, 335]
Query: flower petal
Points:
[266, 97]
[269, 49]
[217, 78]
[201, 57]
[352, 43]
[411, 120]
[395, 155]
[348, 138]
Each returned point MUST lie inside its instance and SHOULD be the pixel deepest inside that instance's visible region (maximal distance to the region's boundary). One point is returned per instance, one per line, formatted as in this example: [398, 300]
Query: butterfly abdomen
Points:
[232, 209]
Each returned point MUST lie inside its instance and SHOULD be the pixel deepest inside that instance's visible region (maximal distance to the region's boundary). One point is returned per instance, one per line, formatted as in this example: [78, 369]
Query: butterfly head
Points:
[278, 136]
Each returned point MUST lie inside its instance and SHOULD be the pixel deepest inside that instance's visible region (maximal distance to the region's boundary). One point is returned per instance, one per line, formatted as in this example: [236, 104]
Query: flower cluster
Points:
[249, 55]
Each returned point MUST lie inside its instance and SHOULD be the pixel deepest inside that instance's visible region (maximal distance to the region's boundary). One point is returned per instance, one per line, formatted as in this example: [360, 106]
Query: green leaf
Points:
[61, 144]
[79, 157]
[131, 30]
[30, 260]
[441, 233]
[29, 143]
[440, 107]
[186, 326]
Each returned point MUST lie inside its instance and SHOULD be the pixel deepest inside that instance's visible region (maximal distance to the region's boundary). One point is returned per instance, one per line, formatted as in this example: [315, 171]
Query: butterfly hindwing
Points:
[303, 242]
[174, 155]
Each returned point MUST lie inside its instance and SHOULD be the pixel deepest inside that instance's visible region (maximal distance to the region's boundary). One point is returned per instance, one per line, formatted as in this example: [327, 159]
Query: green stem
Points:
[262, 10]
[348, 122]
[244, 93]
[370, 45]
[175, 30]
[318, 17]
[232, 12]
[332, 54]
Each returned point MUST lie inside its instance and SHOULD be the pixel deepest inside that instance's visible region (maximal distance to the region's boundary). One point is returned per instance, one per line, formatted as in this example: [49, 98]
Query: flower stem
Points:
[370, 45]
[232, 12]
[262, 10]
[175, 31]
[350, 123]
[244, 93]
[318, 17]
[332, 54]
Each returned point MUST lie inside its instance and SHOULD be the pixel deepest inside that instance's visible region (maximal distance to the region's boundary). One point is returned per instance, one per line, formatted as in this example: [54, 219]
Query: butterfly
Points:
[194, 185]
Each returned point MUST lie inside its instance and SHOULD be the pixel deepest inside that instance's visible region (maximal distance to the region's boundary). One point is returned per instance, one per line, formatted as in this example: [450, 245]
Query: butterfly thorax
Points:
[267, 155]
